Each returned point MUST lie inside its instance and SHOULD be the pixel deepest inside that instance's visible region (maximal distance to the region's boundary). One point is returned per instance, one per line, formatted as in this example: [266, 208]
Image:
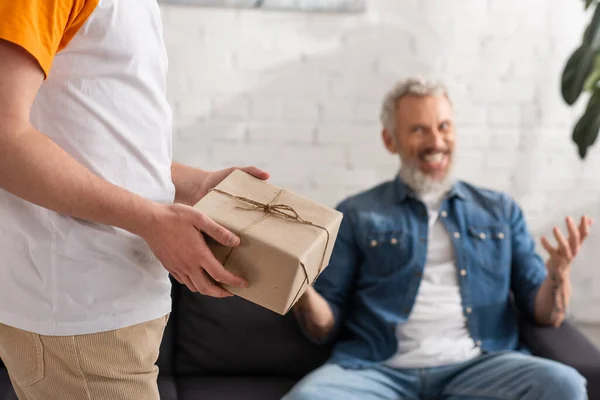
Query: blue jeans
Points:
[504, 375]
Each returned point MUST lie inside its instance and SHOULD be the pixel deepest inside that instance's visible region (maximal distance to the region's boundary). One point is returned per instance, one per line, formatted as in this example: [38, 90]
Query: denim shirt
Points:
[375, 270]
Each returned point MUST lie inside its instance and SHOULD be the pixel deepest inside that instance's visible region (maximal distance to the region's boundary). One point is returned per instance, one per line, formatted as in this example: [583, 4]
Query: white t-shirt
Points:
[435, 333]
[104, 102]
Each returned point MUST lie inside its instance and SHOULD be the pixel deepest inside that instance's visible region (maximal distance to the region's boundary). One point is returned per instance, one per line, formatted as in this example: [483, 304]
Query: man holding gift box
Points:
[94, 213]
[421, 284]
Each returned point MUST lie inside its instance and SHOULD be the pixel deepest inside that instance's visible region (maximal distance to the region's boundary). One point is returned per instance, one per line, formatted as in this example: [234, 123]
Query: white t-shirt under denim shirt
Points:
[435, 333]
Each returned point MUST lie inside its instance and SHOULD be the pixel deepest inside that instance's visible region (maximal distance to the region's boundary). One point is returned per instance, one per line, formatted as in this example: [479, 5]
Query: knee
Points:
[564, 382]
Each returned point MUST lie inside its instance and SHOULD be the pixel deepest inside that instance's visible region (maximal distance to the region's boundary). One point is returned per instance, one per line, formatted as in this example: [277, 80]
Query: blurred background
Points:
[299, 93]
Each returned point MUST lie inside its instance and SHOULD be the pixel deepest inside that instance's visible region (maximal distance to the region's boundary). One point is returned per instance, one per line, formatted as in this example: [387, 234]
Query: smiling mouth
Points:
[434, 161]
[434, 157]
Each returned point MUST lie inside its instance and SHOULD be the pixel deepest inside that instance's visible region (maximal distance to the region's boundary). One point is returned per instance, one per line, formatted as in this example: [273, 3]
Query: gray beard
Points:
[422, 184]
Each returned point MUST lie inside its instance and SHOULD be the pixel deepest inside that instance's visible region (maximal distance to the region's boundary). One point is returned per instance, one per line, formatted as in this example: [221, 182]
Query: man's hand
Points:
[211, 180]
[175, 237]
[192, 184]
[555, 293]
[561, 256]
[314, 315]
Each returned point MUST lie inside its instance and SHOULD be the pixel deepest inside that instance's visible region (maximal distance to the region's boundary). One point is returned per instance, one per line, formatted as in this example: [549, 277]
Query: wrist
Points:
[561, 291]
[146, 216]
[189, 183]
[559, 278]
[204, 185]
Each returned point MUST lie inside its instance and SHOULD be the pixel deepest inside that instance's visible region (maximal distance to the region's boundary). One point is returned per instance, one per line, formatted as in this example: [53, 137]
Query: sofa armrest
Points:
[566, 345]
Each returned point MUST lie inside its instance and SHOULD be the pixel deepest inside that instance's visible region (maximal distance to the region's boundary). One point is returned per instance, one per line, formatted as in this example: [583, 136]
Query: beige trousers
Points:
[119, 364]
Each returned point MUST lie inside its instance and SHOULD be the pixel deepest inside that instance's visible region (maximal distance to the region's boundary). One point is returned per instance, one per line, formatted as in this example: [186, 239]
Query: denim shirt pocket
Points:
[387, 251]
[492, 243]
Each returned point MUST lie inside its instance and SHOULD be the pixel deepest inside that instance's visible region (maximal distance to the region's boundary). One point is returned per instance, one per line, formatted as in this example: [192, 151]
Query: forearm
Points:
[37, 170]
[185, 179]
[552, 300]
[314, 315]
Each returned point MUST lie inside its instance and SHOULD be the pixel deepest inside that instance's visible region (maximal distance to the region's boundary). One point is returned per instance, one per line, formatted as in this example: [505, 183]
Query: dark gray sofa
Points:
[231, 349]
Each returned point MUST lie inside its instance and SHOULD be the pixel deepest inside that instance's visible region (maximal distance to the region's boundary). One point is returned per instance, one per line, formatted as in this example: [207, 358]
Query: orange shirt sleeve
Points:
[43, 27]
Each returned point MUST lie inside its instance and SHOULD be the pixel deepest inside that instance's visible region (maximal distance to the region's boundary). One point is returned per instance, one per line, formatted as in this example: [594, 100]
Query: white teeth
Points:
[435, 158]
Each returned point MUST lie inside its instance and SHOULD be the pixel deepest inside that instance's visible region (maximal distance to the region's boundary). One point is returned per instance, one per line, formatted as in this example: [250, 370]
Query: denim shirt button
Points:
[373, 243]
[457, 235]
[469, 310]
[394, 241]
[501, 235]
[478, 343]
[444, 214]
[463, 272]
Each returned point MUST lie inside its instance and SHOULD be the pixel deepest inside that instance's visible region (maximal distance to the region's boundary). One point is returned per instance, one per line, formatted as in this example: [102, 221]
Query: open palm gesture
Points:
[561, 256]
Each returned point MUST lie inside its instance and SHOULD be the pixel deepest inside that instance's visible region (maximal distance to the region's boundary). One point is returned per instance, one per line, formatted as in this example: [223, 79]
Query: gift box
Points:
[286, 240]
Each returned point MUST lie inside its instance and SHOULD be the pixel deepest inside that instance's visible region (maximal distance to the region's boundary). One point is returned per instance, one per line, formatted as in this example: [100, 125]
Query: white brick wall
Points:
[299, 95]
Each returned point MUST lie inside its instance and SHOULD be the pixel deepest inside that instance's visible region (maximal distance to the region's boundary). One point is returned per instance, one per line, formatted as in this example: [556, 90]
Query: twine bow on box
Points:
[276, 210]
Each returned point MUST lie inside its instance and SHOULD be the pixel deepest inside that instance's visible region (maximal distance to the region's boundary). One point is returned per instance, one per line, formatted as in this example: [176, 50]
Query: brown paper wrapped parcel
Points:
[286, 239]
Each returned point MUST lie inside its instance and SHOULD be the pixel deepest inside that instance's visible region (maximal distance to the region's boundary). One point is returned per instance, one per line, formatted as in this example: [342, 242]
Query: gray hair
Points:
[415, 86]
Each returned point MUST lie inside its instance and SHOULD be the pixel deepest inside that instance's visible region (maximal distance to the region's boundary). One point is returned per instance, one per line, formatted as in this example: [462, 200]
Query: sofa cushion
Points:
[165, 356]
[167, 387]
[231, 388]
[6, 390]
[568, 346]
[165, 360]
[236, 337]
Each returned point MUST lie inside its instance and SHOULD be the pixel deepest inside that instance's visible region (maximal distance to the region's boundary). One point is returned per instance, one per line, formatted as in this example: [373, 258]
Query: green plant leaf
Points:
[581, 63]
[591, 38]
[588, 3]
[594, 77]
[588, 126]
[575, 73]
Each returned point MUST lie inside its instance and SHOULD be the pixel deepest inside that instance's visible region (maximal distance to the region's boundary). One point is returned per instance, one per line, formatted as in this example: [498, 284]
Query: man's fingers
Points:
[187, 281]
[214, 268]
[584, 227]
[207, 287]
[574, 236]
[177, 277]
[257, 172]
[563, 245]
[218, 292]
[216, 231]
[206, 258]
[549, 248]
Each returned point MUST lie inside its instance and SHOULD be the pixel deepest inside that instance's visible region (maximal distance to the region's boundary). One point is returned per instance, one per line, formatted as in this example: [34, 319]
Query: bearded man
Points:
[428, 277]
